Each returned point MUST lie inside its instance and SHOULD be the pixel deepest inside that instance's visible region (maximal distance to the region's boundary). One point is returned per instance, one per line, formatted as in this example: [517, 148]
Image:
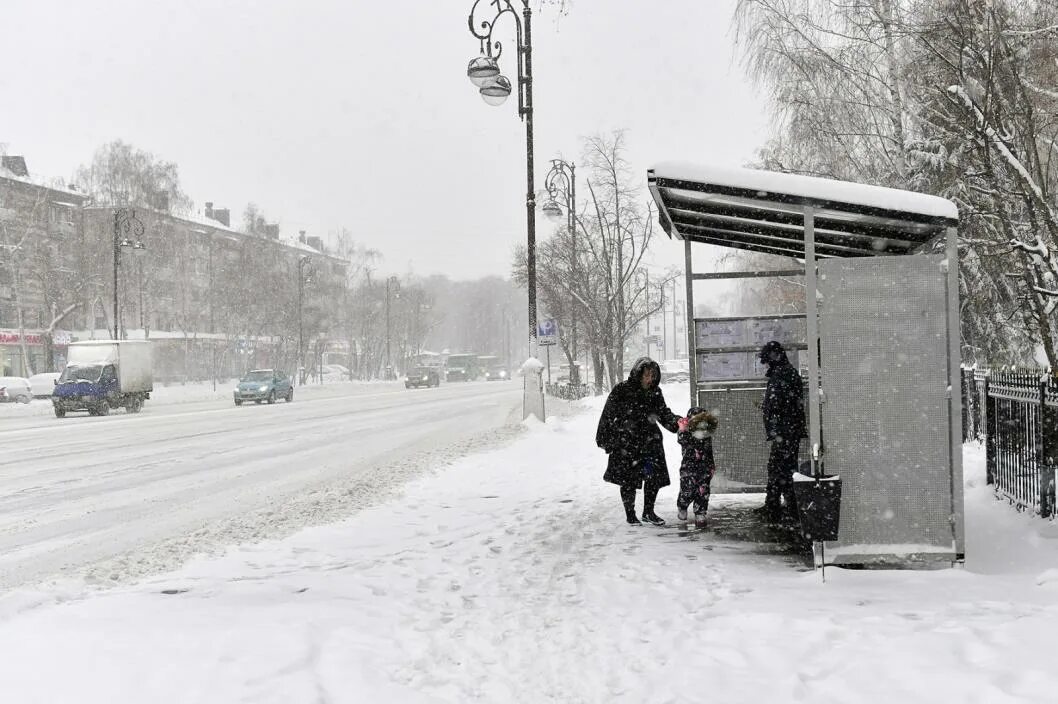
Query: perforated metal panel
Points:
[739, 446]
[885, 416]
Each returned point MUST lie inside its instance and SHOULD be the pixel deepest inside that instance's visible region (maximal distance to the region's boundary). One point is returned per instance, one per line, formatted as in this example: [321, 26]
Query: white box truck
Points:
[104, 374]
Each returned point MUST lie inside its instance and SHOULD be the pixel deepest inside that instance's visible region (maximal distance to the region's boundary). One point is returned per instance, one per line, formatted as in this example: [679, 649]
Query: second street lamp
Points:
[128, 231]
[561, 182]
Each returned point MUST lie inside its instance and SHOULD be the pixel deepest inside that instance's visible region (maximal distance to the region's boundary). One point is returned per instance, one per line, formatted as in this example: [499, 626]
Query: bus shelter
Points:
[878, 344]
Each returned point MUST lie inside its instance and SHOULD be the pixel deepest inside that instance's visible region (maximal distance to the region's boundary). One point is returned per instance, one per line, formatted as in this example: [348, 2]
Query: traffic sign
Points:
[547, 332]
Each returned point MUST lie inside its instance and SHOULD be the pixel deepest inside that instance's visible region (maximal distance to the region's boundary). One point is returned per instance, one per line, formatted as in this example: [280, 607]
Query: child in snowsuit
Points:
[695, 436]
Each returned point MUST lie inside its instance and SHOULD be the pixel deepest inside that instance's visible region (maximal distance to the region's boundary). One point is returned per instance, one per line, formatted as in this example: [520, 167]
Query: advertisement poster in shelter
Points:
[788, 331]
[725, 365]
[720, 333]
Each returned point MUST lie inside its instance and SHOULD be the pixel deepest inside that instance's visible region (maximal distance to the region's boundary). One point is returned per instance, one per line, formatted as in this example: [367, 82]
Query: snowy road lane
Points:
[89, 490]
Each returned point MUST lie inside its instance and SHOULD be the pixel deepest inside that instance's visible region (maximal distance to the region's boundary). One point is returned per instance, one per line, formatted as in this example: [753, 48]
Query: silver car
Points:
[15, 389]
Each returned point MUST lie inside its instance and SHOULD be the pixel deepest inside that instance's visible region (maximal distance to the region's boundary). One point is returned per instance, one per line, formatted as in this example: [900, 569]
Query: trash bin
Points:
[818, 505]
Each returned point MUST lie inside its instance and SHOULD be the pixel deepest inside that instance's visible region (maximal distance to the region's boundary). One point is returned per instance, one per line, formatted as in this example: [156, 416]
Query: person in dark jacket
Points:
[697, 467]
[628, 432]
[784, 426]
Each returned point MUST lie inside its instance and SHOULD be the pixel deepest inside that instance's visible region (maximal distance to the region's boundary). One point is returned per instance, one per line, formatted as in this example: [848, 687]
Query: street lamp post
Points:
[391, 283]
[484, 72]
[127, 233]
[303, 263]
[561, 180]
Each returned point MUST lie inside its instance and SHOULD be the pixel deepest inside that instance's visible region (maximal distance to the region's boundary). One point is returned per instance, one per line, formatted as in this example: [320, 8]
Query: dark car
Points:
[422, 376]
[264, 385]
[496, 374]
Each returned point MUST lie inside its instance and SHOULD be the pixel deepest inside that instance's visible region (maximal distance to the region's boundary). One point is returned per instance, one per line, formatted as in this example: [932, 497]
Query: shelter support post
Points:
[955, 398]
[812, 339]
[692, 353]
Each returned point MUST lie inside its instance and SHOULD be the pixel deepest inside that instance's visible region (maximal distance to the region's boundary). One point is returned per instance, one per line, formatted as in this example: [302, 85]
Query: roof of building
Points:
[41, 182]
[203, 221]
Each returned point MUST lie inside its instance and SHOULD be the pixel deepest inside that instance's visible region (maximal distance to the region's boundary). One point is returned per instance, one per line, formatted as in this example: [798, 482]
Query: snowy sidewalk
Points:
[511, 576]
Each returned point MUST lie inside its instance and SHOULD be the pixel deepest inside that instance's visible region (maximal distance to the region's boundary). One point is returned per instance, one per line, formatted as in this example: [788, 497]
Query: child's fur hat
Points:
[701, 419]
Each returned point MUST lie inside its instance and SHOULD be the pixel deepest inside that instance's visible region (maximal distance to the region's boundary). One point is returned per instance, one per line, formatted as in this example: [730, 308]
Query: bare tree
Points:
[121, 174]
[952, 97]
[615, 228]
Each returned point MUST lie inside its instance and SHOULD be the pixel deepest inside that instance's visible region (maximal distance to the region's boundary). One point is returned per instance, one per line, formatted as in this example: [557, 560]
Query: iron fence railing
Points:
[1016, 413]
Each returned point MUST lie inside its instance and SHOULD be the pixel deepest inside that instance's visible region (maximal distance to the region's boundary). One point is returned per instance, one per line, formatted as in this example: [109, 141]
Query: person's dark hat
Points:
[768, 348]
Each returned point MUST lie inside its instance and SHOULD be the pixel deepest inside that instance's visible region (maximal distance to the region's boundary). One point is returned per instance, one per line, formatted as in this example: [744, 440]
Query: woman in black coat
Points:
[628, 432]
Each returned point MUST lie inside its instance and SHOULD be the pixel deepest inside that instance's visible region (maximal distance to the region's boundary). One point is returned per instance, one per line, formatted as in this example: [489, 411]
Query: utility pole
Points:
[303, 262]
[646, 272]
[390, 282]
[675, 332]
[664, 322]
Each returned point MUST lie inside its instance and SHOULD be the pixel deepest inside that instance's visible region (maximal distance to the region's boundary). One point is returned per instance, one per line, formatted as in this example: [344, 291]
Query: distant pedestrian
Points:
[697, 466]
[784, 426]
[628, 432]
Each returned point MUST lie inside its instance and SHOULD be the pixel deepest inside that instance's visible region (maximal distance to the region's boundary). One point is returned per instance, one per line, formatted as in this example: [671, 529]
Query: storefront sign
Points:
[11, 337]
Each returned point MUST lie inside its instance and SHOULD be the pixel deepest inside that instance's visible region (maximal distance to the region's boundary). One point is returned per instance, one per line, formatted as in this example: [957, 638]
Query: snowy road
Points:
[90, 491]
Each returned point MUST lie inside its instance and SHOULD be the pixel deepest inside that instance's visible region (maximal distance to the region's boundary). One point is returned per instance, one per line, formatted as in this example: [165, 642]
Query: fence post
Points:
[981, 404]
[964, 392]
[990, 434]
[1048, 449]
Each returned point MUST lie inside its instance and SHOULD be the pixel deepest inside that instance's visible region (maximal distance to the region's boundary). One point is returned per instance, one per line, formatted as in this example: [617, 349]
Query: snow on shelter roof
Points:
[764, 211]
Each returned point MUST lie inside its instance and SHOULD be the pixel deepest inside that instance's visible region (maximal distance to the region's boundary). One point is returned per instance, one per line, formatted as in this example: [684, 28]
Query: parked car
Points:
[14, 389]
[422, 376]
[496, 374]
[264, 385]
[43, 385]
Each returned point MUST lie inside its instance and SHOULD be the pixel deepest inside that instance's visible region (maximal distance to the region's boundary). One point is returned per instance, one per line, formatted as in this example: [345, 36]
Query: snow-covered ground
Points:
[509, 575]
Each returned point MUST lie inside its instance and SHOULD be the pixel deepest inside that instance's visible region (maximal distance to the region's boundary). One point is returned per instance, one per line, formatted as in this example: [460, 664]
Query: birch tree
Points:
[615, 227]
[952, 97]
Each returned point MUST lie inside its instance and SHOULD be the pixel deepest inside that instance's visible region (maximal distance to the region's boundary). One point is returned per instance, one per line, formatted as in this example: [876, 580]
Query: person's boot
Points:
[649, 497]
[681, 513]
[628, 500]
[653, 518]
[699, 520]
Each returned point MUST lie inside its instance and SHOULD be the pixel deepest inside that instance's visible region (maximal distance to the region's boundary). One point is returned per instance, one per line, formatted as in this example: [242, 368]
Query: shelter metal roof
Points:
[763, 211]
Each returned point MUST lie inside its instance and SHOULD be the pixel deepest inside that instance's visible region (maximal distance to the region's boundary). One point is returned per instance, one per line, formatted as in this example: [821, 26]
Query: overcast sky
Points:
[345, 112]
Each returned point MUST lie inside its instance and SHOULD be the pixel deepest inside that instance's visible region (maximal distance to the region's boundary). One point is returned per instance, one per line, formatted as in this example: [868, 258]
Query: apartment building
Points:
[214, 299]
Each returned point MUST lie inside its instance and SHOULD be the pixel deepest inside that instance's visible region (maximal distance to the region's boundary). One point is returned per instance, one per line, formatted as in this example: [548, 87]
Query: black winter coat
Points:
[784, 404]
[628, 430]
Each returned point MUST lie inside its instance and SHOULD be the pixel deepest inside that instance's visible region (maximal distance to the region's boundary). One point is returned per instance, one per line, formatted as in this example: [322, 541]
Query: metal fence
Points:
[1016, 413]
